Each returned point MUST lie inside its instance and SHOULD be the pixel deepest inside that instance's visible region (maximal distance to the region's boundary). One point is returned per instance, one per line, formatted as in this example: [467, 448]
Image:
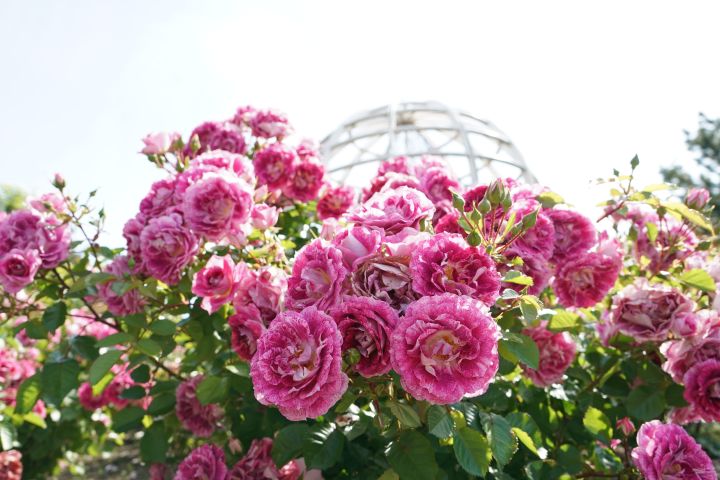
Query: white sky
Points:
[580, 87]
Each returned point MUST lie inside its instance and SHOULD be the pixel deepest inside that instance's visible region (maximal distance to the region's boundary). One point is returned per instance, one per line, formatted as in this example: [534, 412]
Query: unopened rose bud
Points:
[697, 198]
[626, 426]
[58, 181]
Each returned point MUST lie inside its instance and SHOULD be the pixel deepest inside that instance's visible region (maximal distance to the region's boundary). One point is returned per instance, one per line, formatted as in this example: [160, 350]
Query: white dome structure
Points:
[475, 149]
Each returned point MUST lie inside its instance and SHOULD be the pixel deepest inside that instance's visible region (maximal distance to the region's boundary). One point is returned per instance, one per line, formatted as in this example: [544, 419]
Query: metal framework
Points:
[475, 149]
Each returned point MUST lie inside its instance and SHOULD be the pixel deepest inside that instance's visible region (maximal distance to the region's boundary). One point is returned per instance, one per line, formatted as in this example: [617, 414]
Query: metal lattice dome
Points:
[475, 149]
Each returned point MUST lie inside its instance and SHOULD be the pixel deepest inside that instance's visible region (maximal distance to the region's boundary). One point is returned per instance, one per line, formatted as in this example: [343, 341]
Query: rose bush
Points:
[262, 322]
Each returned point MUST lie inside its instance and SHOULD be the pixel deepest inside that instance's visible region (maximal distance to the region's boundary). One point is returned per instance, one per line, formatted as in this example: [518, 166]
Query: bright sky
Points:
[579, 86]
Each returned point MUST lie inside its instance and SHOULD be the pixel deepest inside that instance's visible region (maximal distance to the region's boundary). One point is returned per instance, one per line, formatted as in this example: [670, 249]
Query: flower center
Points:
[303, 360]
[440, 350]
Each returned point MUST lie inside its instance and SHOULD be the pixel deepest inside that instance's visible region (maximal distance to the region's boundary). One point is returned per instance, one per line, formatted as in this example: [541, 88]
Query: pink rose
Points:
[219, 160]
[366, 324]
[584, 280]
[256, 464]
[702, 384]
[666, 451]
[48, 204]
[437, 184]
[394, 210]
[18, 269]
[217, 282]
[89, 401]
[246, 327]
[445, 348]
[158, 471]
[297, 366]
[386, 278]
[305, 182]
[200, 419]
[448, 223]
[267, 290]
[626, 426]
[158, 143]
[217, 136]
[535, 267]
[697, 198]
[218, 206]
[270, 124]
[19, 230]
[446, 263]
[539, 240]
[11, 467]
[206, 462]
[557, 352]
[397, 164]
[160, 200]
[243, 116]
[389, 181]
[127, 303]
[646, 312]
[167, 247]
[53, 242]
[274, 165]
[683, 353]
[264, 216]
[574, 234]
[317, 277]
[673, 242]
[335, 202]
[307, 150]
[357, 244]
[131, 232]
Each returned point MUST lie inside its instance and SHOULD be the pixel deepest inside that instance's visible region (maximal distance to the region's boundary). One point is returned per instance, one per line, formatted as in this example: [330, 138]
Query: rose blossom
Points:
[274, 165]
[18, 269]
[124, 304]
[683, 353]
[697, 198]
[317, 277]
[215, 160]
[257, 462]
[674, 241]
[397, 164]
[19, 230]
[366, 325]
[335, 202]
[218, 205]
[267, 290]
[297, 366]
[246, 327]
[574, 234]
[160, 199]
[437, 184]
[217, 282]
[243, 115]
[305, 182]
[535, 267]
[389, 181]
[702, 389]
[270, 123]
[667, 452]
[158, 143]
[264, 216]
[307, 150]
[11, 467]
[539, 240]
[393, 210]
[200, 419]
[358, 243]
[446, 263]
[385, 278]
[557, 352]
[449, 223]
[167, 247]
[206, 462]
[158, 471]
[445, 348]
[584, 280]
[646, 312]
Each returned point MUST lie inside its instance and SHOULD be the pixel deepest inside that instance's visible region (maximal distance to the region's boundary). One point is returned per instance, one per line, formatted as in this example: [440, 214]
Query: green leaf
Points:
[530, 306]
[323, 447]
[28, 394]
[36, 330]
[54, 316]
[699, 279]
[288, 443]
[502, 441]
[472, 451]
[141, 374]
[120, 338]
[525, 439]
[520, 347]
[412, 457]
[389, 474]
[163, 327]
[59, 379]
[154, 444]
[149, 347]
[563, 320]
[135, 392]
[598, 424]
[8, 435]
[526, 430]
[439, 421]
[634, 162]
[513, 276]
[127, 419]
[570, 458]
[406, 414]
[645, 403]
[35, 419]
[102, 365]
[84, 346]
[212, 390]
[162, 404]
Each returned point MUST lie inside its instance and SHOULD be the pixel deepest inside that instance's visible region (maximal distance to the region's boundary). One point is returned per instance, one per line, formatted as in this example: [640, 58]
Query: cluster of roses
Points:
[17, 364]
[31, 239]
